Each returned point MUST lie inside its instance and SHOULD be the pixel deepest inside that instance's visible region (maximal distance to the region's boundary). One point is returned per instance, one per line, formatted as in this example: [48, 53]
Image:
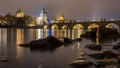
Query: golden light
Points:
[77, 26]
[94, 25]
[54, 27]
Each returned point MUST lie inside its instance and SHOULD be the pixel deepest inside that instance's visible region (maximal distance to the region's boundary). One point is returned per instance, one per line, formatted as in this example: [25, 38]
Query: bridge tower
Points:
[43, 16]
[62, 17]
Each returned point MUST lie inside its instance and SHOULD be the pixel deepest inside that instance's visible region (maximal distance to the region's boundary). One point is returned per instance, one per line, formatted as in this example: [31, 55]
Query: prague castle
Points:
[21, 19]
[18, 19]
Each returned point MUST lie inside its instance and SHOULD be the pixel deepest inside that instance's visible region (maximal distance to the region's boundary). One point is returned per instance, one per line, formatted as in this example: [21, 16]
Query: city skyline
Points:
[89, 10]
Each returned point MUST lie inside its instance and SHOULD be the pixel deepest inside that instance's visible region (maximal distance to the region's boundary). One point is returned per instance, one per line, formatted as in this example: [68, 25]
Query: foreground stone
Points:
[81, 63]
[67, 40]
[116, 47]
[49, 43]
[94, 47]
[104, 55]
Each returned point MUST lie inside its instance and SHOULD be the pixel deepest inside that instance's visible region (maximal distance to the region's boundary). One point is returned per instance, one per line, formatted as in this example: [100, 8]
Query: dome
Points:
[20, 13]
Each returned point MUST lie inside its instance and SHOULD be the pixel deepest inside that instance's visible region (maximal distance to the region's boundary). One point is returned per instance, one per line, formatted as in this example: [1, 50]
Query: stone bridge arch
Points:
[113, 26]
[45, 27]
[54, 26]
[93, 25]
[64, 27]
[77, 26]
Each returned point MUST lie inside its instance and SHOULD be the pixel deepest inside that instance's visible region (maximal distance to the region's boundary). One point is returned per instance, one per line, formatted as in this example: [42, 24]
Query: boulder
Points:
[53, 41]
[49, 43]
[94, 47]
[68, 40]
[24, 45]
[116, 47]
[81, 63]
[104, 55]
[78, 39]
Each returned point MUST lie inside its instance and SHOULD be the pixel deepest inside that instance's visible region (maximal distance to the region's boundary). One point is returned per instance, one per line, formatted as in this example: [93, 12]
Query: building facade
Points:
[18, 19]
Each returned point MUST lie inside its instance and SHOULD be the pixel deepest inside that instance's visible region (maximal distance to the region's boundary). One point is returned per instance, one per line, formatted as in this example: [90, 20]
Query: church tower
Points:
[20, 13]
[43, 16]
[61, 18]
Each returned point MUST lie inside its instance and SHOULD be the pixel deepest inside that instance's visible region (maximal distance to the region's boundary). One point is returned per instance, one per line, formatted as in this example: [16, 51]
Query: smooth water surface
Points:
[20, 57]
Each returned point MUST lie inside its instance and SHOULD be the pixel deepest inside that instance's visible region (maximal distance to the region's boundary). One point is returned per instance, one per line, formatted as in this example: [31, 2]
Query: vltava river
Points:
[20, 57]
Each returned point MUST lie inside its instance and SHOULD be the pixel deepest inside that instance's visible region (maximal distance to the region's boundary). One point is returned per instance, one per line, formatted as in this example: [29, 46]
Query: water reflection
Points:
[20, 39]
[3, 43]
[23, 57]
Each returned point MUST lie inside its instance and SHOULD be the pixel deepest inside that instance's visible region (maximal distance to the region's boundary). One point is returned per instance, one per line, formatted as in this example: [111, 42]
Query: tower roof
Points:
[44, 11]
[62, 17]
[19, 11]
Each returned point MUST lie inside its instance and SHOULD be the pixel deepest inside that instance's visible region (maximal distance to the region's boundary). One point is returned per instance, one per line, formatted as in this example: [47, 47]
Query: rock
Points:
[53, 41]
[41, 43]
[78, 39]
[81, 63]
[104, 55]
[94, 47]
[49, 43]
[24, 45]
[68, 40]
[116, 47]
[99, 65]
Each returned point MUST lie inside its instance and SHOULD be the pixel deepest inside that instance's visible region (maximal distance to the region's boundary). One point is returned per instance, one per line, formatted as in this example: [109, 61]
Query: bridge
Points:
[69, 25]
[86, 25]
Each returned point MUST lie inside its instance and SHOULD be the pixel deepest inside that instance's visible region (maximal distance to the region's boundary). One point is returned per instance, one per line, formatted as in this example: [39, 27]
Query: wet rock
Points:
[116, 47]
[104, 55]
[68, 40]
[81, 63]
[53, 41]
[41, 43]
[78, 39]
[24, 45]
[94, 47]
[99, 65]
[49, 43]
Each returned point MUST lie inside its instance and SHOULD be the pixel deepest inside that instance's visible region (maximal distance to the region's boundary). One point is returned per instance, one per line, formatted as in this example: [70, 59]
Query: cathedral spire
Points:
[44, 11]
[62, 17]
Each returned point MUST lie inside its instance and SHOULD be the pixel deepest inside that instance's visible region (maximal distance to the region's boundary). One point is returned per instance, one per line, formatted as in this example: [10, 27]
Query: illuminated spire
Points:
[62, 17]
[43, 16]
[44, 11]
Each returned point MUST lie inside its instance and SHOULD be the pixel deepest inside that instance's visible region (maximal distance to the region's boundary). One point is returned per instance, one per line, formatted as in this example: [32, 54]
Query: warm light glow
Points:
[54, 27]
[78, 26]
[94, 25]
[40, 33]
[64, 27]
[38, 20]
[61, 17]
[112, 25]
[20, 36]
[19, 13]
[31, 25]
[46, 27]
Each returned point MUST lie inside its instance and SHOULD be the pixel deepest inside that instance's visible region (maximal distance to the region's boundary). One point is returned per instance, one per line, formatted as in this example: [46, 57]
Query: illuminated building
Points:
[61, 19]
[20, 13]
[18, 19]
[43, 16]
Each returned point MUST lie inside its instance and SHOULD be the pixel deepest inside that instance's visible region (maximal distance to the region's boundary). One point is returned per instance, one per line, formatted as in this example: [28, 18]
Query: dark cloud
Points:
[73, 9]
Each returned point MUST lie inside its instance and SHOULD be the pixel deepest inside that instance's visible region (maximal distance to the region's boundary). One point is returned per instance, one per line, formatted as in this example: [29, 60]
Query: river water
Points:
[20, 57]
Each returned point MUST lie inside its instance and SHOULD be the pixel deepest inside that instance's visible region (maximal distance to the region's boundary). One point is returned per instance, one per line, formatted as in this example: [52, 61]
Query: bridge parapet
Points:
[70, 25]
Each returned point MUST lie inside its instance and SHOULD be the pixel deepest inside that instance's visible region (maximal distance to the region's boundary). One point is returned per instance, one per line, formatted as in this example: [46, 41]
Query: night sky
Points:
[72, 9]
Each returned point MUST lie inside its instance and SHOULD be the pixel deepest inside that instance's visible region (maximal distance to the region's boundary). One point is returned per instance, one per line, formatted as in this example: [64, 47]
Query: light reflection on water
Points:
[23, 58]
